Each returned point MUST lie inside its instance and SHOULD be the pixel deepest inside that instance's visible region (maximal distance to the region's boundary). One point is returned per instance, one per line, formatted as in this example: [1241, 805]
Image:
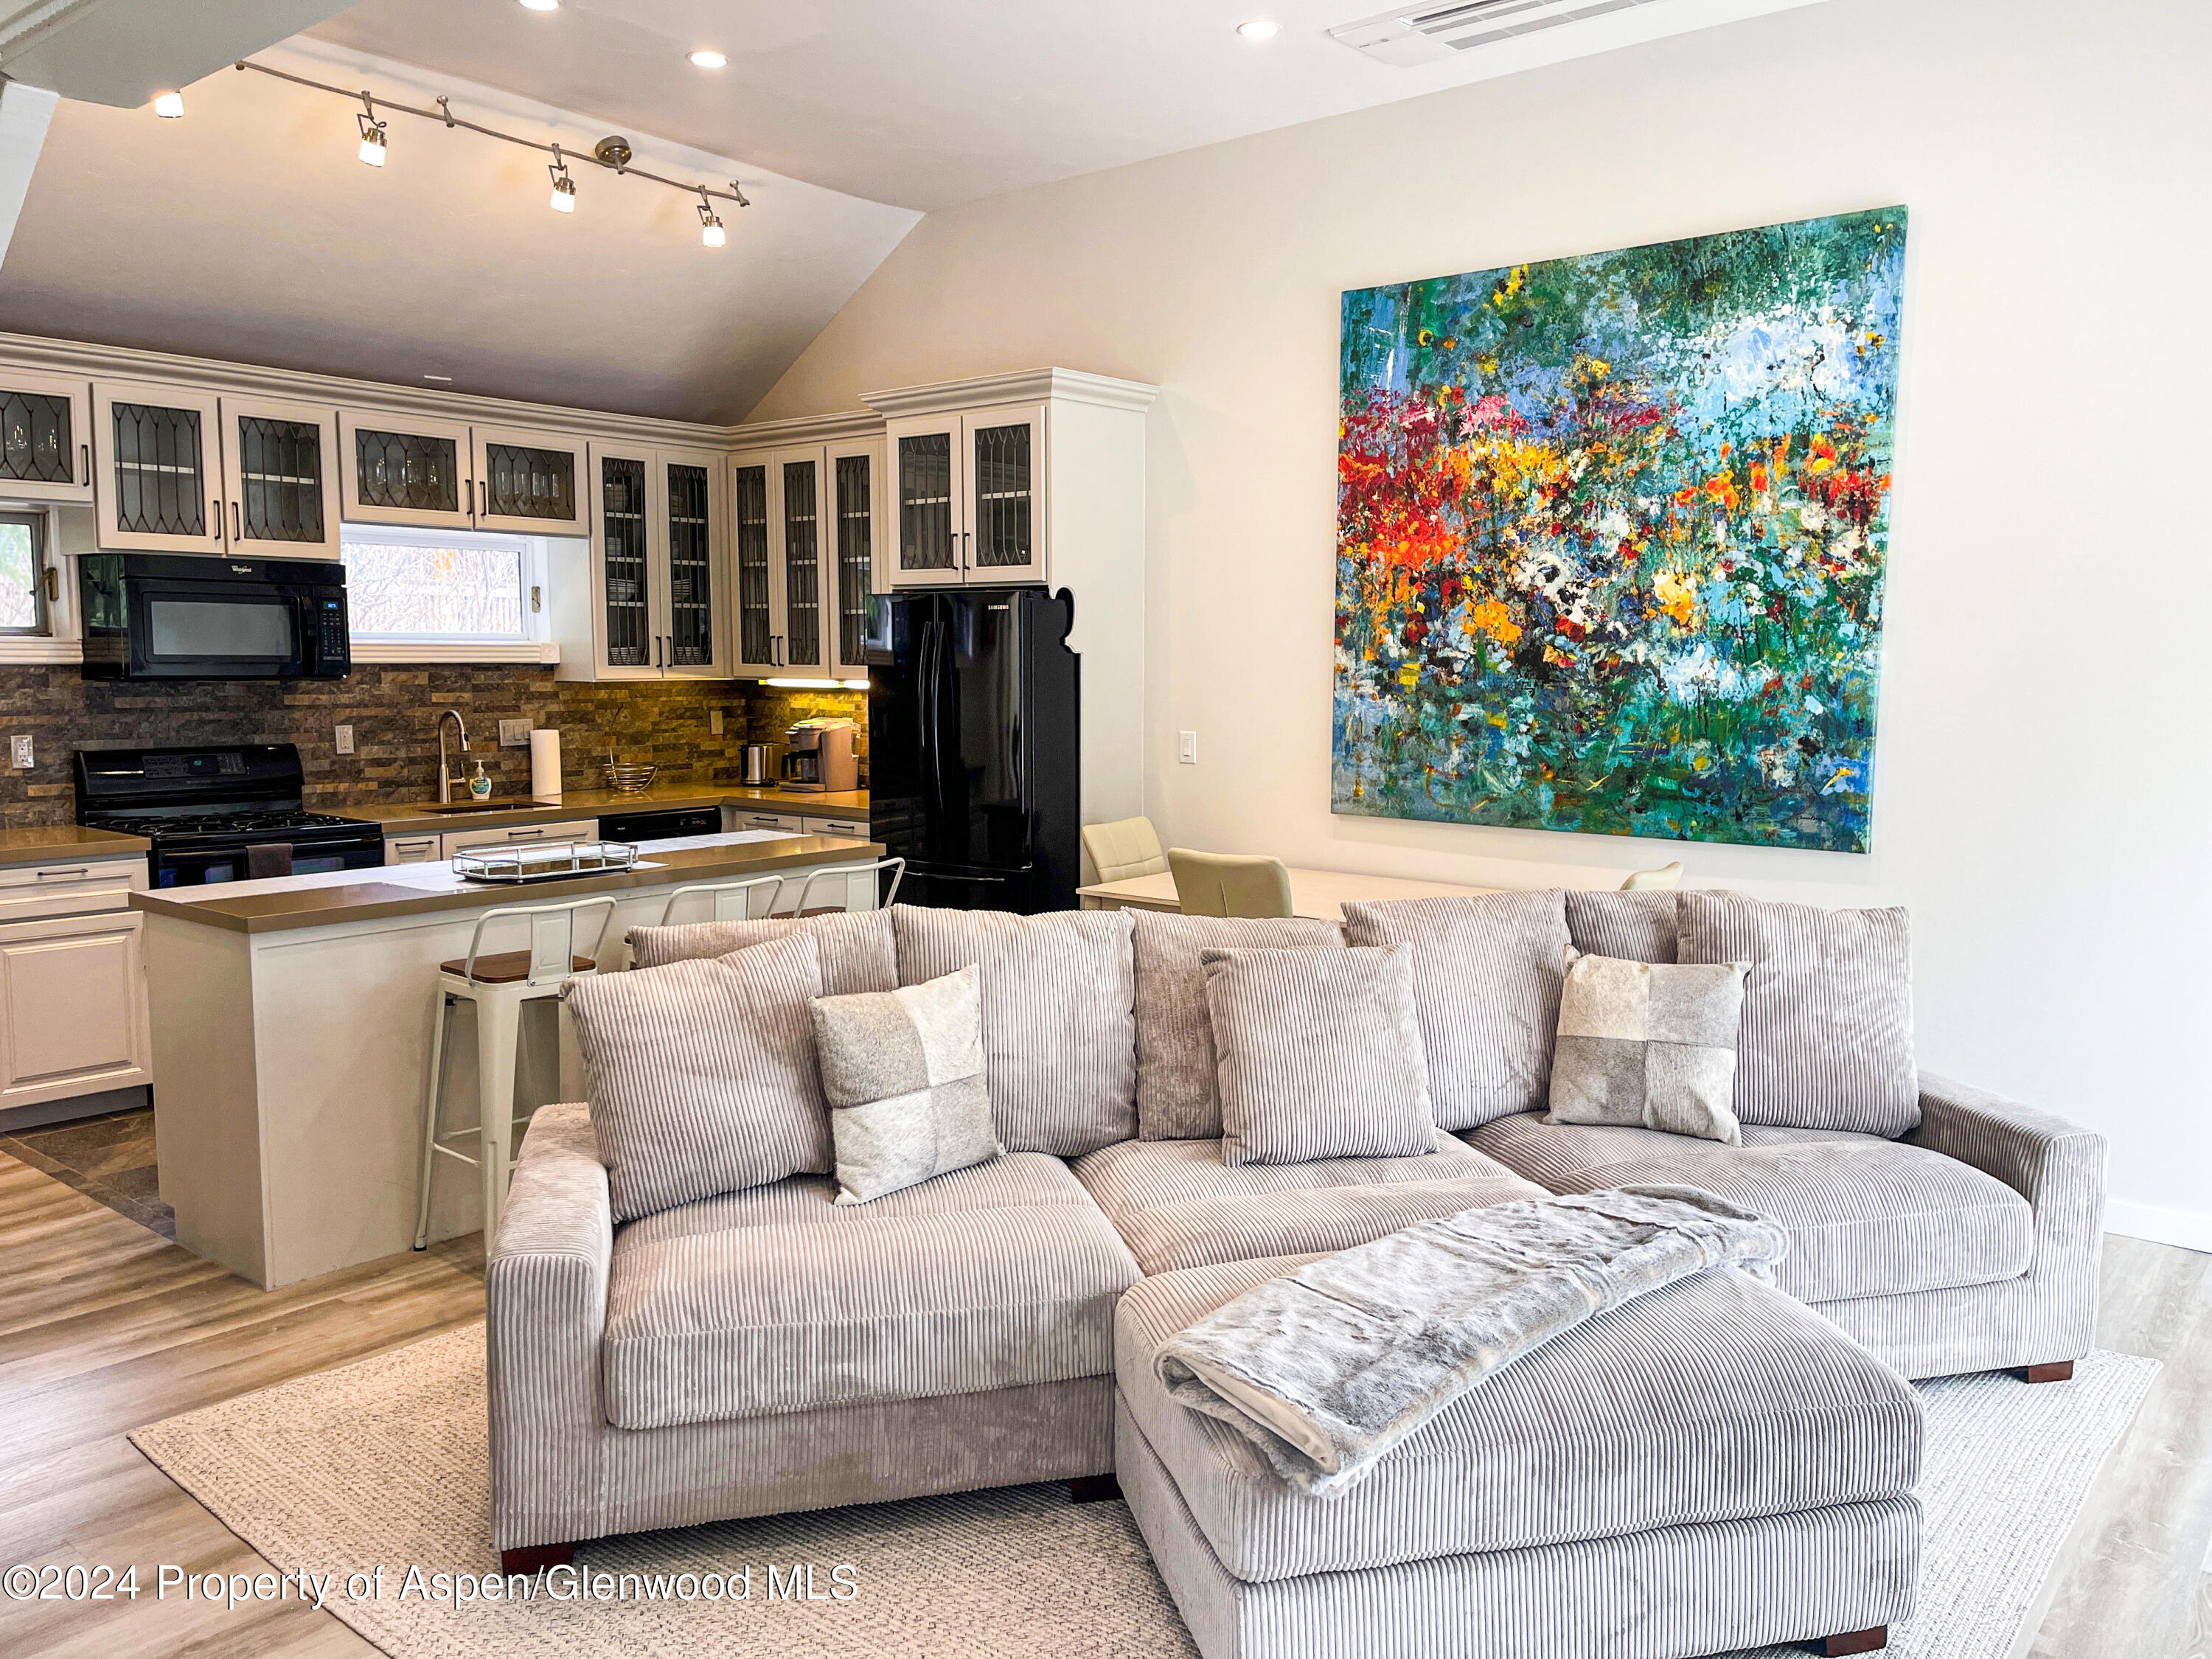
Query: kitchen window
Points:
[23, 576]
[445, 596]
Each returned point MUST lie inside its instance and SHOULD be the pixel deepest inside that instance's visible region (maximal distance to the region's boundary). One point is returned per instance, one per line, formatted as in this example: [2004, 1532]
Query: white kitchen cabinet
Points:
[857, 828]
[413, 850]
[279, 463]
[646, 598]
[528, 482]
[45, 436]
[753, 609]
[806, 518]
[518, 835]
[855, 471]
[967, 488]
[405, 470]
[157, 456]
[788, 823]
[73, 1018]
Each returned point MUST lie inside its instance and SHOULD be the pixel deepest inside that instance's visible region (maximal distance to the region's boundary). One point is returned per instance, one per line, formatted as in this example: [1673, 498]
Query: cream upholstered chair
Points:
[1125, 849]
[1645, 881]
[1229, 884]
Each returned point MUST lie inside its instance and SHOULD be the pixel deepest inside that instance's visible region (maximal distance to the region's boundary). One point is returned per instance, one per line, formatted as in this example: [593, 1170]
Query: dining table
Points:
[1320, 895]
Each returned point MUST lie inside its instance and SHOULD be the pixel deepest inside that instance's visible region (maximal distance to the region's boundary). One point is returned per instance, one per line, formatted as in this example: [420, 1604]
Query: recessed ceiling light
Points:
[1260, 28]
[708, 57]
[541, 5]
[169, 105]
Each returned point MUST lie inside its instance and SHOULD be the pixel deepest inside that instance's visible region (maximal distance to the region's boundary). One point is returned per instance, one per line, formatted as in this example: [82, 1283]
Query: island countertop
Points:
[42, 844]
[414, 817]
[346, 895]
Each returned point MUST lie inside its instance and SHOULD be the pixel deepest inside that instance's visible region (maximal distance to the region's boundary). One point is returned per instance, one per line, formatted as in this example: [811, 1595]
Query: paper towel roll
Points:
[545, 764]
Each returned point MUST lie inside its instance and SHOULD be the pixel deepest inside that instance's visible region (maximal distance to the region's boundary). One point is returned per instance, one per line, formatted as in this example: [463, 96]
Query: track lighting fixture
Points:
[372, 134]
[169, 105]
[564, 187]
[710, 223]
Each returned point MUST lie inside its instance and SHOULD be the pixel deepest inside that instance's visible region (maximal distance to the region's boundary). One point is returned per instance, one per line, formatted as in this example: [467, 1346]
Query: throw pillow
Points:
[1649, 1043]
[701, 1075]
[1177, 1098]
[1320, 1054]
[857, 951]
[1628, 927]
[1827, 1010]
[1487, 972]
[904, 1073]
[1060, 1034]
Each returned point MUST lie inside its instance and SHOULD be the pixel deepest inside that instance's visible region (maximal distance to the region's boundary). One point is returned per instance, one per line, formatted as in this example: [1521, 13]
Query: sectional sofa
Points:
[770, 1350]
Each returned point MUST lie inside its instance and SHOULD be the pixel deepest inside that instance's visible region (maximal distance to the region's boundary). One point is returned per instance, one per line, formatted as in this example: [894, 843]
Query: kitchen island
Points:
[291, 1036]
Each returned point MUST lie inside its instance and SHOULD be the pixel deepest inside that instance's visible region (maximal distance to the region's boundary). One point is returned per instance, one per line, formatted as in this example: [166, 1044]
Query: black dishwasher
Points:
[664, 824]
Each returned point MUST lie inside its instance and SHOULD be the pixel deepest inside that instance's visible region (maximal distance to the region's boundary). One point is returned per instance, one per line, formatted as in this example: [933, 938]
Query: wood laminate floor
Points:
[105, 1326]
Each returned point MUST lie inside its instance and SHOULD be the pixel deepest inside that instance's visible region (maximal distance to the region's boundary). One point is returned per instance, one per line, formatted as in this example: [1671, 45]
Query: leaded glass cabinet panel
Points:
[925, 500]
[802, 617]
[401, 469]
[277, 472]
[528, 481]
[853, 473]
[691, 529]
[751, 533]
[159, 481]
[46, 437]
[626, 586]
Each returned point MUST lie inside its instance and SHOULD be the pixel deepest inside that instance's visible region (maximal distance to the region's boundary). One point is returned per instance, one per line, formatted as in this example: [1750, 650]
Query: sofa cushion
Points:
[856, 950]
[1633, 926]
[1714, 1398]
[781, 1300]
[1177, 1096]
[1649, 1043]
[1867, 1216]
[1059, 1030]
[1487, 974]
[1827, 1010]
[1320, 1054]
[701, 1075]
[1181, 1204]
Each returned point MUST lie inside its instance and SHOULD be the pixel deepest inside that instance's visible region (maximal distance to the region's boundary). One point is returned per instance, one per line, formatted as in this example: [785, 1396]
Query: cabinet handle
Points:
[86, 451]
[963, 550]
[656, 651]
[525, 835]
[237, 535]
[216, 502]
[483, 499]
[81, 870]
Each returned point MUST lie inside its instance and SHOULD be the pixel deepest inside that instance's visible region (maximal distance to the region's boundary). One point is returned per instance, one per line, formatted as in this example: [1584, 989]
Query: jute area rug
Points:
[381, 1465]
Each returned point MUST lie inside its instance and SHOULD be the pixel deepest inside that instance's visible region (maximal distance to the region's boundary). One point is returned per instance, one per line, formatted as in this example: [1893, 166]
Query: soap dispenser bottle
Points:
[480, 785]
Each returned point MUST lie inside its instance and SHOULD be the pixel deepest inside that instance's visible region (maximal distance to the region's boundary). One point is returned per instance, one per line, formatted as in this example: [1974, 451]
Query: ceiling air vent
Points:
[1429, 34]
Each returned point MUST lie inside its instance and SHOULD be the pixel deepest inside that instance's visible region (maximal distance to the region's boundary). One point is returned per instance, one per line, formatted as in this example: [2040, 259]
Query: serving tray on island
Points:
[518, 866]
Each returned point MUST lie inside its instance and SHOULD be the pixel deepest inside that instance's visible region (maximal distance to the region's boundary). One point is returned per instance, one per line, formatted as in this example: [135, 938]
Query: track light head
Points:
[371, 135]
[169, 105]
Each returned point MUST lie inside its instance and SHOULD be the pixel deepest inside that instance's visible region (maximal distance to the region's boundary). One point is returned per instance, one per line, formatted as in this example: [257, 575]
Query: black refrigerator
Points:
[973, 776]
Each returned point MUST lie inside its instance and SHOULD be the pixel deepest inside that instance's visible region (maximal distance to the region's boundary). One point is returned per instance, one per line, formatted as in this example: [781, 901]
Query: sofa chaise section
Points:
[1970, 1244]
[772, 1350]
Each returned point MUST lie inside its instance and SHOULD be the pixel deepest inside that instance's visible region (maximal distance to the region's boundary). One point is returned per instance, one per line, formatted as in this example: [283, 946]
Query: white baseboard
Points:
[2192, 1230]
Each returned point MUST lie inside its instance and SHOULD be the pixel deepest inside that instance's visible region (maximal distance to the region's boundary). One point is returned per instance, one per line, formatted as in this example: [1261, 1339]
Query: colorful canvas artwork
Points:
[1611, 534]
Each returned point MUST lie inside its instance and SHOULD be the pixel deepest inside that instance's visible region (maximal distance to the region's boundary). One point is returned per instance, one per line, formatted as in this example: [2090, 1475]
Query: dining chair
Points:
[1230, 883]
[1646, 881]
[1124, 849]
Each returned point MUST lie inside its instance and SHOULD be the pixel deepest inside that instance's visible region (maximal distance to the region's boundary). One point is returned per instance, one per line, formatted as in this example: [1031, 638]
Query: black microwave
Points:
[188, 617]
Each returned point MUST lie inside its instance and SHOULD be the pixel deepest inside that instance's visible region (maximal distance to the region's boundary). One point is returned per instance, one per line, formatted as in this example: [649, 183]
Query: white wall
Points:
[2044, 781]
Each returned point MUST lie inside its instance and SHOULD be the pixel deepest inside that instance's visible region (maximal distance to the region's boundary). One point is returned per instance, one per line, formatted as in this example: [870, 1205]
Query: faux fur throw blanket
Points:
[1329, 1368]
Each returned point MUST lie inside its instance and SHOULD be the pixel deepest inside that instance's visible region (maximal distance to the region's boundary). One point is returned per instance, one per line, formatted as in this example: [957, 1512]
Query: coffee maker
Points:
[819, 757]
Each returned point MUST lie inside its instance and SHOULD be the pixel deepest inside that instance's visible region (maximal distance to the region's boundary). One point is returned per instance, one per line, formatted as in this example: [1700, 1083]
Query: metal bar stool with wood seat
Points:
[498, 984]
[732, 902]
[846, 872]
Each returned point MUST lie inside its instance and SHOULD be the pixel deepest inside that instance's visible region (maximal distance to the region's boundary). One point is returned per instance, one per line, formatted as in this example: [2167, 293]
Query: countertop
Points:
[414, 817]
[328, 900]
[42, 843]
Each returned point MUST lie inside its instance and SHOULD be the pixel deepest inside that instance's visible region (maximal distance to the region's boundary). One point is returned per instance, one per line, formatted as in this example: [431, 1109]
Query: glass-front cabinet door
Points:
[400, 469]
[805, 619]
[752, 564]
[926, 467]
[530, 482]
[855, 471]
[1003, 453]
[277, 476]
[158, 476]
[625, 586]
[688, 512]
[46, 437]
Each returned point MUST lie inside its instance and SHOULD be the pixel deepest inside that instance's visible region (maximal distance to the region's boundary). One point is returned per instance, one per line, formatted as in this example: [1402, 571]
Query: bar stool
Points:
[843, 871]
[498, 984]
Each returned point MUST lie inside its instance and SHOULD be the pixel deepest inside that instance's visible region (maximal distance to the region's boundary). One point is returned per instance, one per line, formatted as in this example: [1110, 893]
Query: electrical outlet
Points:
[20, 748]
[514, 734]
[344, 744]
[715, 722]
[1188, 754]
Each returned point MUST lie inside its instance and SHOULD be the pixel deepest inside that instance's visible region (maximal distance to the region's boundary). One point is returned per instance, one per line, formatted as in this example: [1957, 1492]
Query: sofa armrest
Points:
[2038, 1154]
[545, 1308]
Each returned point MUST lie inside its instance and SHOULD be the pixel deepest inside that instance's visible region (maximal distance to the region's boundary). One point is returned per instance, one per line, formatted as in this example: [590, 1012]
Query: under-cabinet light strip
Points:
[445, 117]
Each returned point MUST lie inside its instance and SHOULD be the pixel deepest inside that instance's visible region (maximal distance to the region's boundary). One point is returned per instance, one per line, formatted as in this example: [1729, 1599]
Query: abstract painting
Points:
[1611, 534]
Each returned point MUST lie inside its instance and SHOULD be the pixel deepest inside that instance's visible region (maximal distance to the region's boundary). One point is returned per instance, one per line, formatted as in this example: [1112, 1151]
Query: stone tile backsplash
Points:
[393, 710]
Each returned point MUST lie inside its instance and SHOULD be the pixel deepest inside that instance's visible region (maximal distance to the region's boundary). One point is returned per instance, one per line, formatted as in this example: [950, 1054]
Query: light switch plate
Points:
[20, 749]
[514, 734]
[715, 722]
[345, 742]
[1188, 754]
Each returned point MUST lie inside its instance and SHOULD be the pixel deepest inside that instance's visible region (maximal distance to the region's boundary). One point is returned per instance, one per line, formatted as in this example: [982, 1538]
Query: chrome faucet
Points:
[446, 778]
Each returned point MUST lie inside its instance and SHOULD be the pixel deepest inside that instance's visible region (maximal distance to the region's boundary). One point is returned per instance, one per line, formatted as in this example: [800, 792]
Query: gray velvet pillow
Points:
[1320, 1054]
[1827, 1010]
[1060, 1032]
[1487, 972]
[858, 953]
[1630, 926]
[1648, 1044]
[701, 1075]
[1177, 1097]
[904, 1073]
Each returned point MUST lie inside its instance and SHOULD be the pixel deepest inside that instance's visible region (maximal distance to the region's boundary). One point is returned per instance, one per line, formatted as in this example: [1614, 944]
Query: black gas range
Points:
[218, 814]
